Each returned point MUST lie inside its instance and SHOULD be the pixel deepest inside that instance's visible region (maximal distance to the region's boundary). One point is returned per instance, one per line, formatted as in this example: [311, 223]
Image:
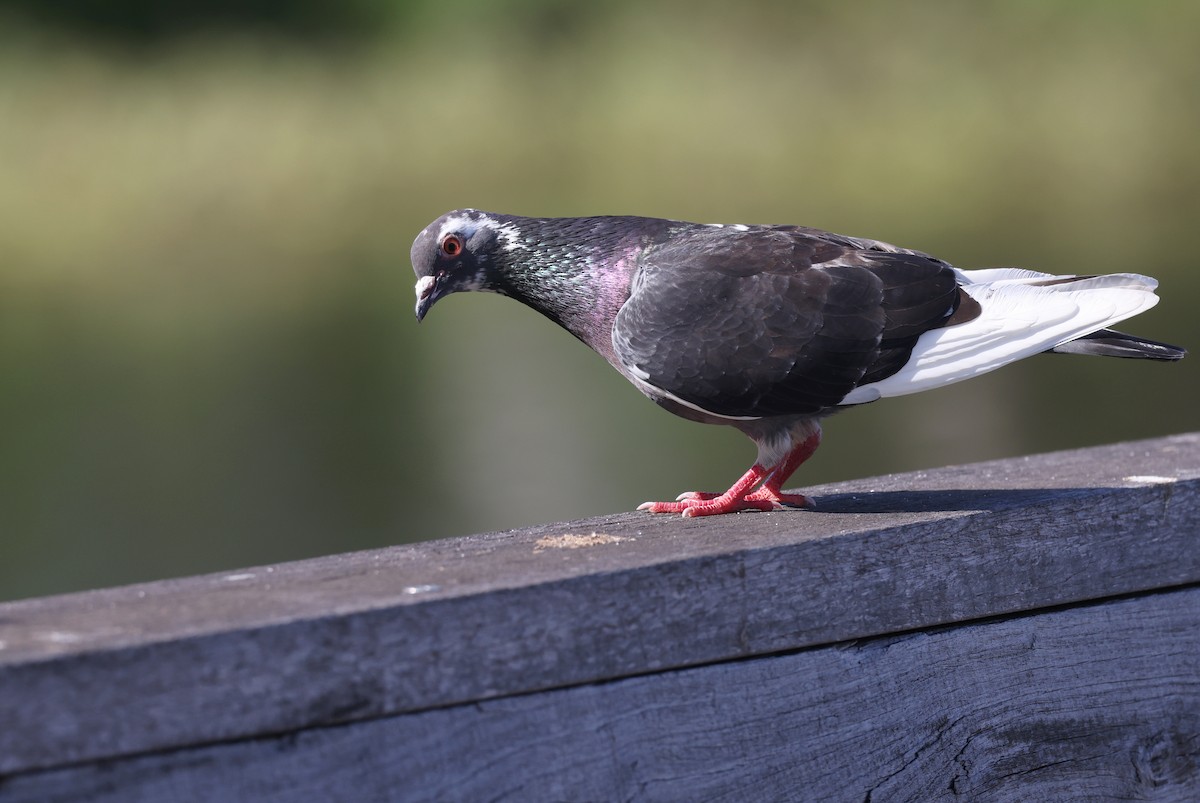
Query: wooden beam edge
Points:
[1027, 707]
[360, 636]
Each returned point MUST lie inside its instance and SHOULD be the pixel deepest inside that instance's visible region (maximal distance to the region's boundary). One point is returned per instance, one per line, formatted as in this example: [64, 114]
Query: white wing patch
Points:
[1022, 315]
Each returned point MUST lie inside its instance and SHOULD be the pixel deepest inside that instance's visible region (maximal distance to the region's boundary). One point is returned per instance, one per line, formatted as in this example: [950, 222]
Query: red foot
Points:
[766, 497]
[702, 495]
[707, 507]
[733, 500]
[780, 498]
[696, 503]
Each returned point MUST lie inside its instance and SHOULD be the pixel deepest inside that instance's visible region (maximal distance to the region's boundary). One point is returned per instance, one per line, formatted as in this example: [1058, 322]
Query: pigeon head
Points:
[575, 271]
[457, 252]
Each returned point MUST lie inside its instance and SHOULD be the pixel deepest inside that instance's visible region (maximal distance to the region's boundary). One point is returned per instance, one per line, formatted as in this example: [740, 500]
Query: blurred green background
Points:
[207, 352]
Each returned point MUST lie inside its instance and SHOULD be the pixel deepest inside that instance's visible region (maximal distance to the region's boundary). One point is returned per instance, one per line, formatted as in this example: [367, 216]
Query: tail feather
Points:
[1023, 313]
[1111, 343]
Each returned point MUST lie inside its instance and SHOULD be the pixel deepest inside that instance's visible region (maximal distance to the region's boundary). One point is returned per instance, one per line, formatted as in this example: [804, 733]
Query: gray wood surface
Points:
[278, 649]
[1096, 702]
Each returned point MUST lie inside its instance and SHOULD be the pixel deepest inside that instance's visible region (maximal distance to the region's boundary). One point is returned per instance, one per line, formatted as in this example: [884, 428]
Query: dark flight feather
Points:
[781, 324]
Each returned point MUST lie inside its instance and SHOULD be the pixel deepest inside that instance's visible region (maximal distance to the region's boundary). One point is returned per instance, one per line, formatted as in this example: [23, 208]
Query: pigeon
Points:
[771, 328]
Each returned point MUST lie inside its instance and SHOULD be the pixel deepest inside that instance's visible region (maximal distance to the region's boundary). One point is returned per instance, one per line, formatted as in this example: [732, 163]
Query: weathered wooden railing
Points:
[1017, 630]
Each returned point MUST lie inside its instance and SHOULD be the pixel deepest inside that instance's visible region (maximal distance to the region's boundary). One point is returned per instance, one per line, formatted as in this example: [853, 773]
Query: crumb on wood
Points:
[576, 541]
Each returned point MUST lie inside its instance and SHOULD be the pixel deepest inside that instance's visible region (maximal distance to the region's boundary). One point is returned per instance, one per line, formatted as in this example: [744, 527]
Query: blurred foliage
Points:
[206, 336]
[153, 21]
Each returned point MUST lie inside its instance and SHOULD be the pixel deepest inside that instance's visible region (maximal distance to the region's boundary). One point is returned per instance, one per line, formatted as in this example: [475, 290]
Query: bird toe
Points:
[696, 495]
[662, 507]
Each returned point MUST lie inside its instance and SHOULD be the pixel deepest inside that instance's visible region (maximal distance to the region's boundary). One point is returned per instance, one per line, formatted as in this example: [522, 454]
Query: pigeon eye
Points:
[452, 245]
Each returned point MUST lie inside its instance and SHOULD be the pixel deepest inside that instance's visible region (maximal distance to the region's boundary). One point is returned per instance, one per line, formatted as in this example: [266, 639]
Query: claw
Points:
[700, 495]
[663, 507]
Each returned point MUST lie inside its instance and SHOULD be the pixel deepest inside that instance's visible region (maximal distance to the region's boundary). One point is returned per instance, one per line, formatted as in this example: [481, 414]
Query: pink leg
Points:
[740, 497]
[772, 487]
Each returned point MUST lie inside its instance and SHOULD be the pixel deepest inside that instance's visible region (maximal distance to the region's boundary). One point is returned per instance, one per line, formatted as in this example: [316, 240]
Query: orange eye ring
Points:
[452, 245]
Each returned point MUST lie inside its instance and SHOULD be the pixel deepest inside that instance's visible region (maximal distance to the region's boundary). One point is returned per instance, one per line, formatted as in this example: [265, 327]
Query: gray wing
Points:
[776, 321]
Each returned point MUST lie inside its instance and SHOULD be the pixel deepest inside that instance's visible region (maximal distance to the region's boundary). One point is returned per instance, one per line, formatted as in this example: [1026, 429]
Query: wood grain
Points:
[349, 638]
[1095, 702]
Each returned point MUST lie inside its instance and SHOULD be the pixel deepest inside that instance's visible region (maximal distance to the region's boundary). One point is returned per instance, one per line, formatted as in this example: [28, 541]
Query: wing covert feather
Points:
[775, 322]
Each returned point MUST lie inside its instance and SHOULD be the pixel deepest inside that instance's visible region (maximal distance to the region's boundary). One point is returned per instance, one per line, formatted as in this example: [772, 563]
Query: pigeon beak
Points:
[427, 293]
